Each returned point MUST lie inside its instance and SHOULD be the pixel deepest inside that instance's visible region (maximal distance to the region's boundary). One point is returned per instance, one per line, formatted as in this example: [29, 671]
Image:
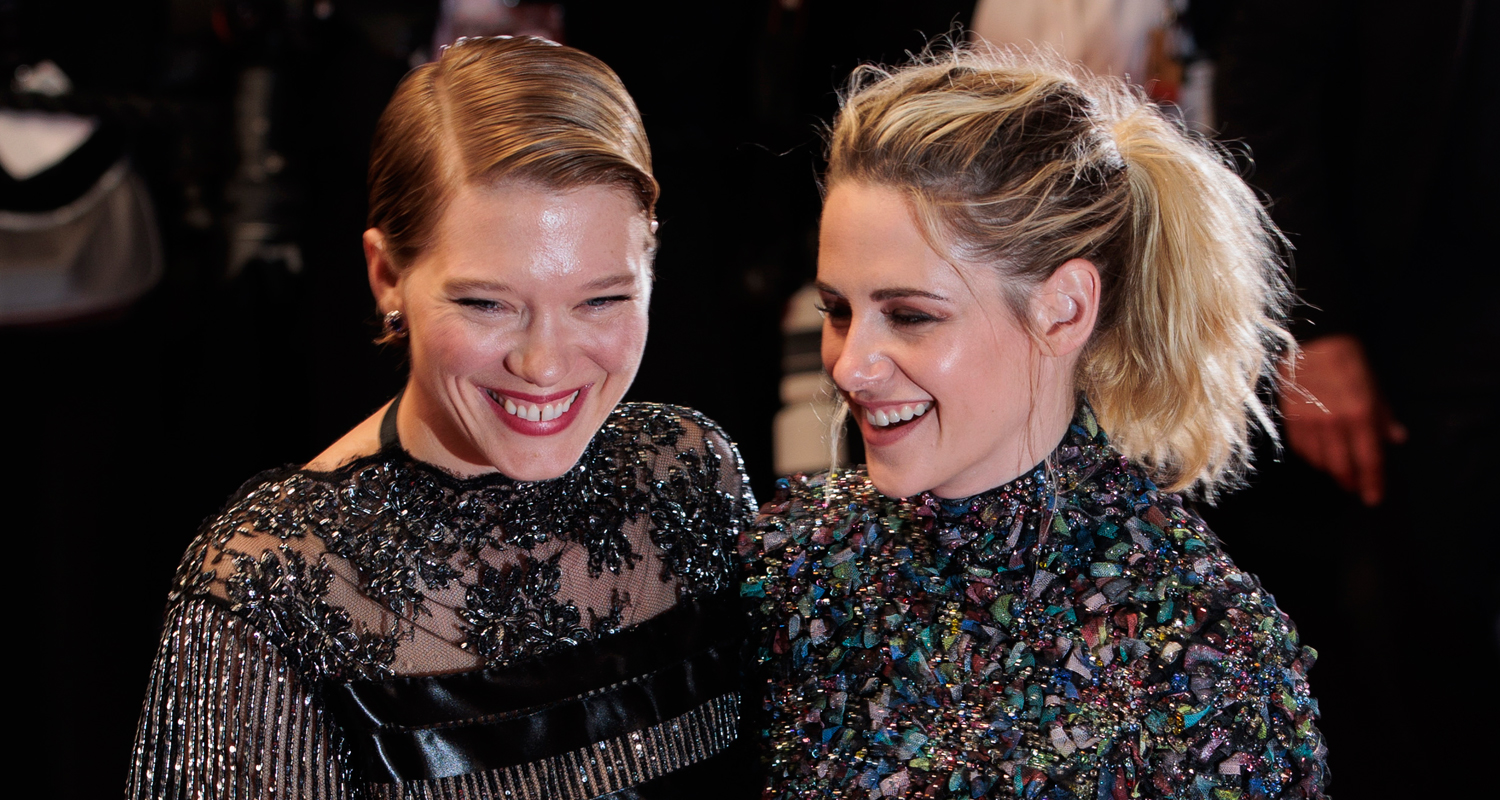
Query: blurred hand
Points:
[1336, 418]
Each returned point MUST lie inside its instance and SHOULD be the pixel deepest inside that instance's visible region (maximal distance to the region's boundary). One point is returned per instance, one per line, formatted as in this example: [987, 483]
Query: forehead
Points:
[870, 237]
[515, 230]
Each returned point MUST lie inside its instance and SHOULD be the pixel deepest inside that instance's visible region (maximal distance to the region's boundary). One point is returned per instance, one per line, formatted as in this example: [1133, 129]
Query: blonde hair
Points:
[1022, 163]
[492, 109]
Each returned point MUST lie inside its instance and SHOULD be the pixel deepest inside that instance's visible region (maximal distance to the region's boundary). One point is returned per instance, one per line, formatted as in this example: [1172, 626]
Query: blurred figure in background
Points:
[1370, 127]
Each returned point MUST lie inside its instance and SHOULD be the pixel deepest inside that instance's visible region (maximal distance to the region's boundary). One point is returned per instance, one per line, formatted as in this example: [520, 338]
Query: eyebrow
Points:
[892, 293]
[610, 281]
[466, 285]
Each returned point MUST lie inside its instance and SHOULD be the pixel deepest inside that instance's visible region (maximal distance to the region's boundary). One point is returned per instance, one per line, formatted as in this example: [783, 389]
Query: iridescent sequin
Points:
[1091, 640]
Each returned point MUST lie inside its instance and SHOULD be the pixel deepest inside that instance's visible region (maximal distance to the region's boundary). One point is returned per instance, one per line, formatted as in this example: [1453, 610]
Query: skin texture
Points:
[904, 326]
[1336, 419]
[531, 294]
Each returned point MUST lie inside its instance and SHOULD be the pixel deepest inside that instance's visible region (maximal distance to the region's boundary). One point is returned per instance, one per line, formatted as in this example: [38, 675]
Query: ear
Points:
[1066, 306]
[385, 278]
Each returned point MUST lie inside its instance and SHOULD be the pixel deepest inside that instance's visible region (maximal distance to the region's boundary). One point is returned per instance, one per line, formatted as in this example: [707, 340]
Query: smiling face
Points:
[951, 393]
[527, 321]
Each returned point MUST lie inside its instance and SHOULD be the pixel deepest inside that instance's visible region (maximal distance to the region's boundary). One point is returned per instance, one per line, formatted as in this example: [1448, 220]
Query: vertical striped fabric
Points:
[226, 718]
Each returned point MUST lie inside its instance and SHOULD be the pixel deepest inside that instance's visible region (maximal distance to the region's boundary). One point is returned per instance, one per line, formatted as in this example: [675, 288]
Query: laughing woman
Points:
[1009, 601]
[505, 583]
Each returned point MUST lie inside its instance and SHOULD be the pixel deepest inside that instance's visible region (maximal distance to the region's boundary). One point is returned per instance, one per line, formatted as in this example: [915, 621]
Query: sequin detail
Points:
[596, 770]
[223, 714]
[408, 530]
[1092, 641]
[389, 566]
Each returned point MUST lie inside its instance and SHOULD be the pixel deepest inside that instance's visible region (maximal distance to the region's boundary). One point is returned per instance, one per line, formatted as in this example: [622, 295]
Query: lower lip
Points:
[877, 436]
[529, 428]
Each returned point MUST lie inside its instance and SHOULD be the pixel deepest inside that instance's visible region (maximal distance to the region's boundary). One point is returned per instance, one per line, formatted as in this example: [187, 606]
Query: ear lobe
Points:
[384, 276]
[1067, 306]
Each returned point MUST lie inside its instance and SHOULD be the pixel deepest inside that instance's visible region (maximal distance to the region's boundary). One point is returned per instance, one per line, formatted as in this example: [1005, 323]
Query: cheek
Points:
[832, 347]
[617, 345]
[948, 368]
[456, 346]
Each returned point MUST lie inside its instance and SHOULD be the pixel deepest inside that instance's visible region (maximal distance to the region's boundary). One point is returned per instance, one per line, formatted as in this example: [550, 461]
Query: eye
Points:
[480, 303]
[606, 302]
[835, 311]
[907, 317]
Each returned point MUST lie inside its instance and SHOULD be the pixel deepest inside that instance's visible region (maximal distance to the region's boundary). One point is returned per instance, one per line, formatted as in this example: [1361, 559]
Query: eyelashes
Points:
[606, 302]
[898, 317]
[478, 303]
[834, 310]
[592, 304]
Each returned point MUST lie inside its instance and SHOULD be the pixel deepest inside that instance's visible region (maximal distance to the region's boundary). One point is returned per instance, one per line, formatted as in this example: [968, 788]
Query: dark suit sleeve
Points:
[1278, 100]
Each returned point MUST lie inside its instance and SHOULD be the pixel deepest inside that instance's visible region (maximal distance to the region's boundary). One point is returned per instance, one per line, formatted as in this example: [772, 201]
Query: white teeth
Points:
[881, 419]
[535, 413]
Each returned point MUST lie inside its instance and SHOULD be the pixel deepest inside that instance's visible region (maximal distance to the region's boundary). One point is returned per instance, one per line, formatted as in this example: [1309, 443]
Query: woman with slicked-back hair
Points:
[1050, 311]
[505, 583]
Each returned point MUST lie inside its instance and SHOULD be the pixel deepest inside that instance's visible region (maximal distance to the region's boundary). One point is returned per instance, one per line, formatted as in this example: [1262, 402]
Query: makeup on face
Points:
[528, 321]
[942, 379]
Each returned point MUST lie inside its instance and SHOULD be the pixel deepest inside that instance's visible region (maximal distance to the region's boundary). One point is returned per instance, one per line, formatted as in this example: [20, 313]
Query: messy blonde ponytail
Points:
[1022, 163]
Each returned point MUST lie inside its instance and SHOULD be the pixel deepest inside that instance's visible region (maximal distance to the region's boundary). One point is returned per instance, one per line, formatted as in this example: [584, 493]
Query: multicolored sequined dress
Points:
[1075, 633]
[389, 630]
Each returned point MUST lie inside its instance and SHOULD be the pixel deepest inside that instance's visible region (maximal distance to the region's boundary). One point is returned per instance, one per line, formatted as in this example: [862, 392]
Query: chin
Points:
[542, 469]
[895, 482]
[536, 464]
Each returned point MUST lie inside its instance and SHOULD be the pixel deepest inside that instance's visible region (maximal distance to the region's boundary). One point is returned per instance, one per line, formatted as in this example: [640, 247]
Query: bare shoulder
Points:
[363, 440]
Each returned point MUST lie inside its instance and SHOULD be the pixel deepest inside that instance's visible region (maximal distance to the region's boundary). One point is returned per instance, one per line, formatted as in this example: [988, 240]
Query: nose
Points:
[540, 357]
[859, 361]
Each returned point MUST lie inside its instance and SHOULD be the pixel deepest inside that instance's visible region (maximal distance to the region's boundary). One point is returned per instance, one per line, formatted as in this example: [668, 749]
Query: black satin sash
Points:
[676, 674]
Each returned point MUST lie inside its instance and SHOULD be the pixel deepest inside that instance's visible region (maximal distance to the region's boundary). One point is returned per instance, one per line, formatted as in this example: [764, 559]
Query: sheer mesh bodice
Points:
[390, 567]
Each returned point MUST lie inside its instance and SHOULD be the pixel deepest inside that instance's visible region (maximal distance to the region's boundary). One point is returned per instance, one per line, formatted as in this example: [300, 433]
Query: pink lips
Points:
[530, 427]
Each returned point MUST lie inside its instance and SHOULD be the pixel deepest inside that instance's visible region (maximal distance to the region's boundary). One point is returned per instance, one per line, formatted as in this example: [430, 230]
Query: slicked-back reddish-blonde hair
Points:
[497, 109]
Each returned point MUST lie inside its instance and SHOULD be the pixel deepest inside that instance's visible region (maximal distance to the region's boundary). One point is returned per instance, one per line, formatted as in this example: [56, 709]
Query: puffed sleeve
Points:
[226, 717]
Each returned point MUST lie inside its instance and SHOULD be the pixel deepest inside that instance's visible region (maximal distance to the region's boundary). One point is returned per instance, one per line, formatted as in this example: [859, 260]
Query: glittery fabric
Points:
[1087, 641]
[602, 768]
[391, 567]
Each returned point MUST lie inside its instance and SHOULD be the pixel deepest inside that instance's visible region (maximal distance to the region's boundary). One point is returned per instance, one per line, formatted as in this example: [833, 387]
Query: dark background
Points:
[134, 425]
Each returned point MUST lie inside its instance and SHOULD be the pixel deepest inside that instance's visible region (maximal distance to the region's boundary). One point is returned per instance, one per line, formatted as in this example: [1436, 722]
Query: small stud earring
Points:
[394, 324]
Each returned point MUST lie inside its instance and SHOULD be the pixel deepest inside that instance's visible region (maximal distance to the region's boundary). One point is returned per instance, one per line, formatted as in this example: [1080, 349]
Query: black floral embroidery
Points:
[514, 612]
[687, 503]
[408, 529]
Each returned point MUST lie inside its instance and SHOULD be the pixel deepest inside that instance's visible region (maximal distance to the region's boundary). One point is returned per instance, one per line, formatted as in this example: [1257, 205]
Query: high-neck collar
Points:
[1083, 444]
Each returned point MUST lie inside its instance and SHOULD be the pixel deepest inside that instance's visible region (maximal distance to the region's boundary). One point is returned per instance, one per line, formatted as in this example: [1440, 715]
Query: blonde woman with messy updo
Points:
[1048, 309]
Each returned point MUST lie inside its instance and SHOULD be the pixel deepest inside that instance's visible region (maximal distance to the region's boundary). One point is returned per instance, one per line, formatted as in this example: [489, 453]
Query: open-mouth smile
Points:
[536, 415]
[889, 423]
[895, 415]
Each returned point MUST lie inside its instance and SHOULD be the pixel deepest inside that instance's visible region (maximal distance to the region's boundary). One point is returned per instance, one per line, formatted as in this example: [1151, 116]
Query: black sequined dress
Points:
[1075, 633]
[389, 630]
